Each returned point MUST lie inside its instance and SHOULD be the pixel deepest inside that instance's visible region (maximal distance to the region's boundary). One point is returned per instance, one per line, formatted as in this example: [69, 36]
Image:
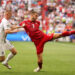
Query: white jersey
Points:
[3, 26]
[4, 44]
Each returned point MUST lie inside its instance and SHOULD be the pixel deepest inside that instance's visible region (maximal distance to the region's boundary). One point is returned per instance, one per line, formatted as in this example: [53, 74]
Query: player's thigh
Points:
[40, 48]
[48, 37]
[10, 47]
[2, 58]
[2, 53]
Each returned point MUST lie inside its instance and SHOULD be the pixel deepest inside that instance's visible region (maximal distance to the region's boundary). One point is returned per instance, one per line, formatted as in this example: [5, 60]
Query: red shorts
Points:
[40, 43]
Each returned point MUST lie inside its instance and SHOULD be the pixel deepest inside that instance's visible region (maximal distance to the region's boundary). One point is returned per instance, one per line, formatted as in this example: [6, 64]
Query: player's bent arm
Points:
[21, 29]
[15, 27]
[9, 31]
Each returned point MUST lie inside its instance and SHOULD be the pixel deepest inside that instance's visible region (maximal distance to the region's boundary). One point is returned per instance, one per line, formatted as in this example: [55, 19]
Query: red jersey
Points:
[32, 29]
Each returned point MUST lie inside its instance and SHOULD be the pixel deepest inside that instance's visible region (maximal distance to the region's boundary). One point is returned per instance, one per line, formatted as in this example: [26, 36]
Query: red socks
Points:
[72, 32]
[67, 33]
[40, 64]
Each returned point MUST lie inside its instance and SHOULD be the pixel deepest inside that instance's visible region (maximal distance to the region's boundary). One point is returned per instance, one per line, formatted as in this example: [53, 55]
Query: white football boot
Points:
[37, 69]
[6, 65]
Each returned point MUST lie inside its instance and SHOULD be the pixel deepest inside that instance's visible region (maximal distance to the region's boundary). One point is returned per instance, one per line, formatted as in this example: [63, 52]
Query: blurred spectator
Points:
[68, 27]
[49, 14]
[60, 27]
[73, 28]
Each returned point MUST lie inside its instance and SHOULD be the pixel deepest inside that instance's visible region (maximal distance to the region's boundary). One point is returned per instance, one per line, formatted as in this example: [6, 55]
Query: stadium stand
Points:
[54, 15]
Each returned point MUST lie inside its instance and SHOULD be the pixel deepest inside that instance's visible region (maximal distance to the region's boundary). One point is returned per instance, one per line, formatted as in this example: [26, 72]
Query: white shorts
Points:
[5, 46]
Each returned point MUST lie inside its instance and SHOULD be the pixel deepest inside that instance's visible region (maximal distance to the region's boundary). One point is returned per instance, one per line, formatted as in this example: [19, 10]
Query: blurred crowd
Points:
[54, 15]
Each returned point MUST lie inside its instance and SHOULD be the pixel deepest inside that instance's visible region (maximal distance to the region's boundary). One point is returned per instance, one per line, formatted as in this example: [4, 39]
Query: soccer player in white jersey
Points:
[6, 28]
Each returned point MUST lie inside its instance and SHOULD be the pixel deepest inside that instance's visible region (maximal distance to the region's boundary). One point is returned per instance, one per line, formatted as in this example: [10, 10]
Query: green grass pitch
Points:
[59, 59]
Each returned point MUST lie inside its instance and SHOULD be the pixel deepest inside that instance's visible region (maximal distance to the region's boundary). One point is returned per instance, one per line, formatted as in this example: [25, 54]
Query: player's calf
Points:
[40, 60]
[9, 57]
[40, 65]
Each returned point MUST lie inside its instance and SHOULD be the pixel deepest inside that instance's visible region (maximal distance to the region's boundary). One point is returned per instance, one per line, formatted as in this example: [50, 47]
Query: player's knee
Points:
[57, 36]
[14, 52]
[40, 60]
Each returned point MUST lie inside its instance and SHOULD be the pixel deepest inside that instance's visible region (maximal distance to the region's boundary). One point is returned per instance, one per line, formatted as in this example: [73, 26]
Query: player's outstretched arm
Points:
[16, 27]
[9, 31]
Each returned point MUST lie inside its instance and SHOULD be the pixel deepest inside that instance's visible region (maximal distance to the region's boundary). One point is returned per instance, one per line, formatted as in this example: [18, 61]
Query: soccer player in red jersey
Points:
[31, 26]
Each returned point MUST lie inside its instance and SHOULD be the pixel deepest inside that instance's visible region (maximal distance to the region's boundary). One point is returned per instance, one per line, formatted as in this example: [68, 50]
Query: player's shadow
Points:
[42, 71]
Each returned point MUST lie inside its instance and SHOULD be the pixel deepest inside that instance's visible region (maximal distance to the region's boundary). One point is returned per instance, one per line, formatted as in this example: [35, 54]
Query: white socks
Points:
[9, 57]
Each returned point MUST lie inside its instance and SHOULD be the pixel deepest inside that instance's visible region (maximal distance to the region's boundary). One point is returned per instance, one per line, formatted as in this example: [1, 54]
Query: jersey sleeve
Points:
[22, 23]
[6, 25]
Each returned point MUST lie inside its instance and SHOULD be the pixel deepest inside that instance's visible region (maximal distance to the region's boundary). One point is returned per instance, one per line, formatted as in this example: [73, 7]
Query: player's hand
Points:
[13, 27]
[16, 27]
[16, 30]
[23, 25]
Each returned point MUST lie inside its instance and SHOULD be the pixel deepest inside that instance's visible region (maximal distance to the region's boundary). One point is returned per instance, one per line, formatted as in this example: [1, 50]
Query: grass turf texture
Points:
[59, 59]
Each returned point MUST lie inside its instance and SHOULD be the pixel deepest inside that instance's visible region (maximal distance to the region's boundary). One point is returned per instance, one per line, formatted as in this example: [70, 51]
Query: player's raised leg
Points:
[66, 33]
[2, 56]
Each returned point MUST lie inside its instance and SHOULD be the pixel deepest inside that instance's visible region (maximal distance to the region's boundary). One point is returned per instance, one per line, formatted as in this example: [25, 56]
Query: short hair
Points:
[33, 12]
[7, 11]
